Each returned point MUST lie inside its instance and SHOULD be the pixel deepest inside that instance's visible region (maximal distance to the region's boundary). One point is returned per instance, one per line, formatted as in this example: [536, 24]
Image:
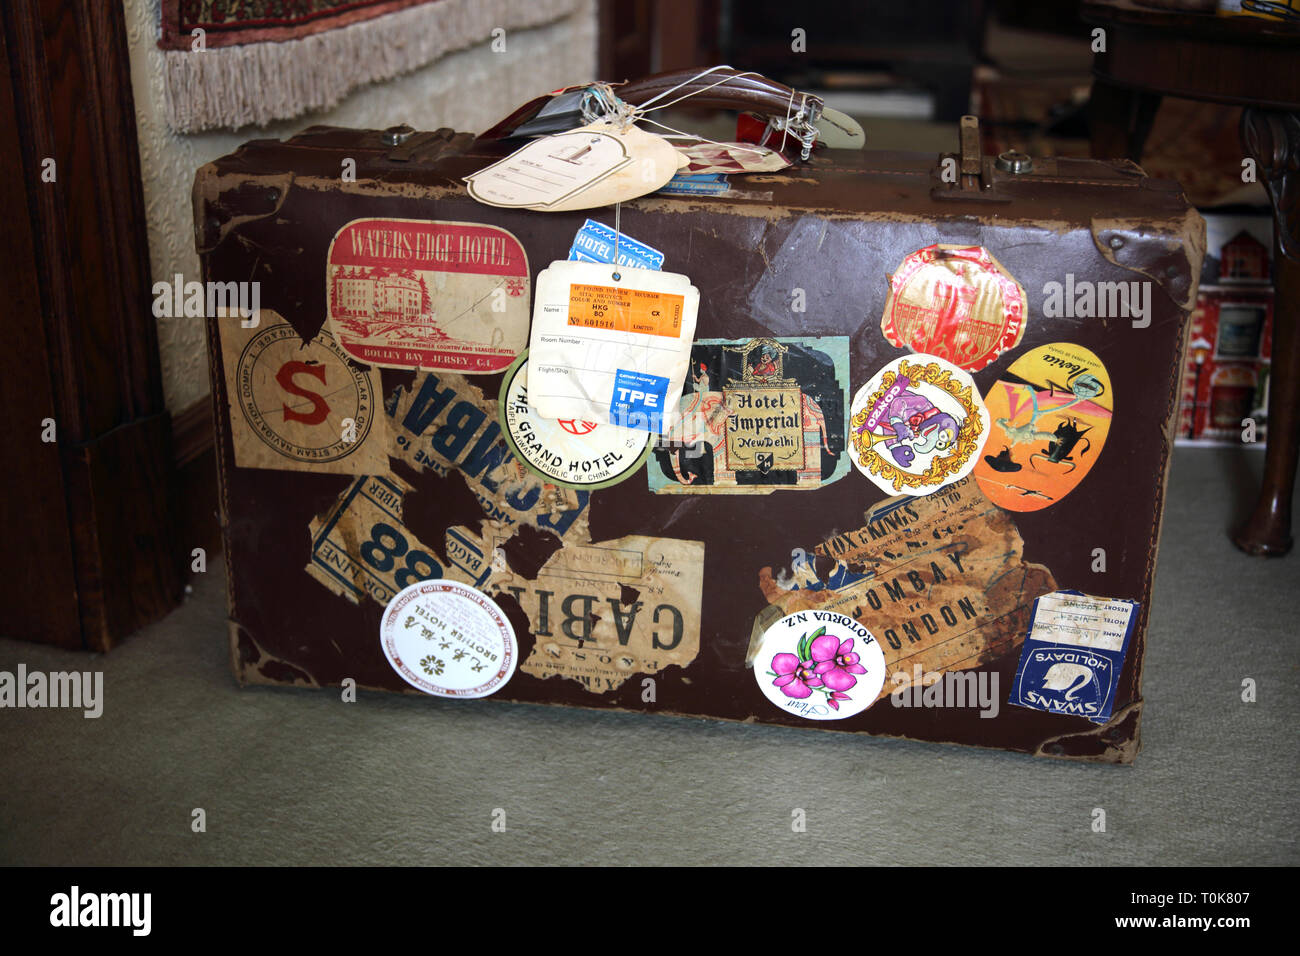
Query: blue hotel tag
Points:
[1073, 655]
[595, 242]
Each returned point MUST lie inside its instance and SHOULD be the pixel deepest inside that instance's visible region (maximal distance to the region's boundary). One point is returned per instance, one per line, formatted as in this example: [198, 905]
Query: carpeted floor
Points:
[297, 777]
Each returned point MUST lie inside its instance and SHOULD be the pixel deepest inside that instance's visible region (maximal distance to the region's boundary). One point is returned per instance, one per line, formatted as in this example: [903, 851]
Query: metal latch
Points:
[969, 176]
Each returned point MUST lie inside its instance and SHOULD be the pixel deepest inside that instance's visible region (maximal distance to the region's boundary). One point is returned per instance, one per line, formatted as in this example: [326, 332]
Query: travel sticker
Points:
[1051, 413]
[941, 582]
[428, 294]
[757, 415]
[300, 406]
[820, 665]
[1073, 655]
[957, 303]
[571, 452]
[363, 546]
[918, 425]
[606, 611]
[448, 640]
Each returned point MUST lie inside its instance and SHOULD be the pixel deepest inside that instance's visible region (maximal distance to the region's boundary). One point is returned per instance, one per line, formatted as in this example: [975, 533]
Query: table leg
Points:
[1273, 140]
[1119, 121]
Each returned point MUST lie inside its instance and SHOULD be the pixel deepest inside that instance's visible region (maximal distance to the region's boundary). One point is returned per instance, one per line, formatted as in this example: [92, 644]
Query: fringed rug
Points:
[261, 60]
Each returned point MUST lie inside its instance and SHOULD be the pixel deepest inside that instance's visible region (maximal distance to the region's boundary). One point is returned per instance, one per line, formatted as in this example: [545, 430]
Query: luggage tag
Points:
[611, 344]
[599, 164]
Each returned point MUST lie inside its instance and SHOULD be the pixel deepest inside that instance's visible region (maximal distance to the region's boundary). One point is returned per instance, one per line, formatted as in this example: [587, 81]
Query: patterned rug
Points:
[262, 60]
[227, 22]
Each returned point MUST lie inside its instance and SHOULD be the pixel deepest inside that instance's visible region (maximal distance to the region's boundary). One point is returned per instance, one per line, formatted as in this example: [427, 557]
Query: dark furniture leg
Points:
[1120, 120]
[1273, 139]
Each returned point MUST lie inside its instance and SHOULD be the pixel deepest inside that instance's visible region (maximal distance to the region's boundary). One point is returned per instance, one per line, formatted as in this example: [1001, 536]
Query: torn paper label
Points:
[300, 406]
[432, 294]
[759, 415]
[361, 547]
[602, 613]
[1073, 655]
[445, 423]
[940, 581]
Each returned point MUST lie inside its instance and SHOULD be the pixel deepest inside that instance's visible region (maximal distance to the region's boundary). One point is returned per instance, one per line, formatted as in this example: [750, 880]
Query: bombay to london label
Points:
[571, 452]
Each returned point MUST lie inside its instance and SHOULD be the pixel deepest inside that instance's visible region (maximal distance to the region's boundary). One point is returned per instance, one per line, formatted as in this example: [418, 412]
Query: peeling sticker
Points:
[407, 293]
[602, 613]
[1073, 655]
[940, 581]
[957, 303]
[918, 424]
[448, 640]
[759, 415]
[1051, 413]
[570, 452]
[820, 665]
[300, 406]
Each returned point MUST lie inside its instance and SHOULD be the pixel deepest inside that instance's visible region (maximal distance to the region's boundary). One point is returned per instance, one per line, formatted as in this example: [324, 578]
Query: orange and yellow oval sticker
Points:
[1051, 414]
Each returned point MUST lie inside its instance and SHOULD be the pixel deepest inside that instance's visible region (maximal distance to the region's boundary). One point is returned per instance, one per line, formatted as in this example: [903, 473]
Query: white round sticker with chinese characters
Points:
[448, 639]
[820, 665]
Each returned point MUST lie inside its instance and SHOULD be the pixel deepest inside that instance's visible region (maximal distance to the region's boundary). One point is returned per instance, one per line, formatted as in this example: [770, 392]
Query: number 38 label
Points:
[362, 548]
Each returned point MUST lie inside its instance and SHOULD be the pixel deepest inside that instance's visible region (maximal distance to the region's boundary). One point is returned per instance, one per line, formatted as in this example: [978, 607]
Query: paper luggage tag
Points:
[611, 344]
[596, 165]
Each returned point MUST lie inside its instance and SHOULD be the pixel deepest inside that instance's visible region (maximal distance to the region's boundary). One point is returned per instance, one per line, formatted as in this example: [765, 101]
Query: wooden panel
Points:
[94, 341]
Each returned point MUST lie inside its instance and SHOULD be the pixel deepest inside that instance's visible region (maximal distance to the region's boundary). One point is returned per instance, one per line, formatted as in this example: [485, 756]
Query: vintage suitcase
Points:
[745, 566]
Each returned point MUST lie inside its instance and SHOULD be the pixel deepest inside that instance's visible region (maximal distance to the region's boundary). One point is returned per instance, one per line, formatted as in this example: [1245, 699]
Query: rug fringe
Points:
[260, 82]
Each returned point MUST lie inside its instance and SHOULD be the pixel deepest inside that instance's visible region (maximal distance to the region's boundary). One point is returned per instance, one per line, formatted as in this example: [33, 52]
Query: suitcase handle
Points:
[725, 88]
[721, 88]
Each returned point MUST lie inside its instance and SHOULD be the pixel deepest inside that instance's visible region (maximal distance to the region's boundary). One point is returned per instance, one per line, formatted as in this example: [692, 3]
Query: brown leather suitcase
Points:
[1071, 285]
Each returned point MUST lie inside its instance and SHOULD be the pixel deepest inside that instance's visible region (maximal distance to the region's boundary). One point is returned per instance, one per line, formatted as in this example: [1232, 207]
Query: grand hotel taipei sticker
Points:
[955, 302]
[406, 293]
[300, 406]
[448, 639]
[571, 451]
[917, 425]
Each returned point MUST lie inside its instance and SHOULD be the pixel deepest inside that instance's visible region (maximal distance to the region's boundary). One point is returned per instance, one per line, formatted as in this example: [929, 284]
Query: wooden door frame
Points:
[70, 101]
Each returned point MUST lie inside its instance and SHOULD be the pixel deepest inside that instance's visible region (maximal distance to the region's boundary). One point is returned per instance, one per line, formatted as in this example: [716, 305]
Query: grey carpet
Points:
[295, 777]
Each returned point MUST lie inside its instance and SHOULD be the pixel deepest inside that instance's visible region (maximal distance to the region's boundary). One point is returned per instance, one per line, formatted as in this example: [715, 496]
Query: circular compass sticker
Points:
[570, 452]
[448, 639]
[917, 425]
[820, 665]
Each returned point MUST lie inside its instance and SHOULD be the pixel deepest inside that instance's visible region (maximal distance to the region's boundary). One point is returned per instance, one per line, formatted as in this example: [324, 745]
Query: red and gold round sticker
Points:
[957, 303]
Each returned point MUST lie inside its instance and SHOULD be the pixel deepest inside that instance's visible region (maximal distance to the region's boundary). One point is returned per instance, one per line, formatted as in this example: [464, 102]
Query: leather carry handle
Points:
[720, 88]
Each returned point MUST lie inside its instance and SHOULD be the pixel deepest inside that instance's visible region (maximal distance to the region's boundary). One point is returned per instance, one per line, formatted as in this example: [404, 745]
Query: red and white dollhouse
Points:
[1228, 356]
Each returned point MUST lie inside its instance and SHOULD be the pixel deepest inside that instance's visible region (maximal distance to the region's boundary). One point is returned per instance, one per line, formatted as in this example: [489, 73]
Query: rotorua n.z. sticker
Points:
[917, 425]
[820, 665]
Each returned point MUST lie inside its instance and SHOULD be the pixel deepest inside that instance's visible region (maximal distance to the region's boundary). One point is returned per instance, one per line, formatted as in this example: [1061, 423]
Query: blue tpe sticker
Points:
[706, 184]
[639, 400]
[595, 242]
[1073, 655]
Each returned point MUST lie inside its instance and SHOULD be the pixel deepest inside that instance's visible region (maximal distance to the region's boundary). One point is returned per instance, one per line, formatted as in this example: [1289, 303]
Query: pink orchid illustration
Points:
[796, 678]
[836, 663]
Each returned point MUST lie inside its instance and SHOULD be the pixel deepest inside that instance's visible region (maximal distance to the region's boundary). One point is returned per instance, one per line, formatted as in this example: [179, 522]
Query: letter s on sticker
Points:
[320, 409]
